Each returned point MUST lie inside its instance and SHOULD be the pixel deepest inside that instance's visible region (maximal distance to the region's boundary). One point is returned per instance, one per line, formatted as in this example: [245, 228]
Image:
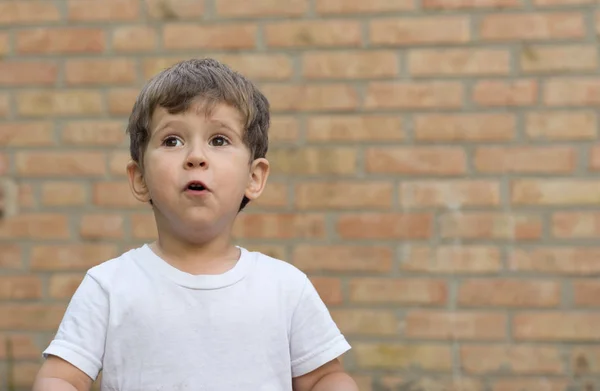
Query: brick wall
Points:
[436, 171]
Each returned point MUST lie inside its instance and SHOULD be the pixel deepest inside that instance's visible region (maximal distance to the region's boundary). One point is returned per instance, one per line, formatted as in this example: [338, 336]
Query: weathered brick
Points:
[572, 91]
[35, 226]
[594, 160]
[456, 325]
[26, 196]
[280, 226]
[561, 125]
[556, 326]
[101, 226]
[585, 360]
[422, 30]
[115, 194]
[546, 59]
[516, 359]
[91, 133]
[453, 62]
[366, 322]
[143, 226]
[431, 382]
[167, 10]
[385, 226]
[28, 73]
[30, 317]
[275, 195]
[26, 134]
[134, 38]
[60, 41]
[259, 66]
[329, 288]
[576, 225]
[121, 101]
[586, 293]
[555, 192]
[4, 105]
[554, 3]
[343, 195]
[319, 33]
[311, 97]
[10, 256]
[414, 95]
[19, 287]
[325, 128]
[555, 260]
[491, 225]
[538, 384]
[23, 346]
[15, 12]
[70, 257]
[505, 93]
[63, 194]
[450, 259]
[100, 71]
[465, 127]
[449, 194]
[532, 26]
[416, 160]
[107, 10]
[523, 159]
[4, 43]
[509, 293]
[467, 4]
[312, 161]
[117, 162]
[404, 291]
[344, 7]
[45, 103]
[221, 36]
[388, 356]
[36, 164]
[64, 285]
[4, 164]
[312, 258]
[350, 65]
[265, 8]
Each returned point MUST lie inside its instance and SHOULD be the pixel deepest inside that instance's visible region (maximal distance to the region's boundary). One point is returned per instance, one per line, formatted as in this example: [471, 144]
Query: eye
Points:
[219, 141]
[171, 141]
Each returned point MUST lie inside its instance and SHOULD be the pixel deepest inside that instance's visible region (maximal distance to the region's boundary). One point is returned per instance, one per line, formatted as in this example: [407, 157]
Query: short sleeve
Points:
[82, 332]
[315, 338]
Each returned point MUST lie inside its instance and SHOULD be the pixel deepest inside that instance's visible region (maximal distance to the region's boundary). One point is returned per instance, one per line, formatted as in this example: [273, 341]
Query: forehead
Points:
[218, 113]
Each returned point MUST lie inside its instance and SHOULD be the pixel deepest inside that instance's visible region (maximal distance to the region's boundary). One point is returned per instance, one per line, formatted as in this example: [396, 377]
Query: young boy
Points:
[192, 311]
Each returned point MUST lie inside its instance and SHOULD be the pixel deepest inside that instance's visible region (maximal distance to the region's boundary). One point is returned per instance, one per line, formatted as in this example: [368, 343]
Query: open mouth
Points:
[196, 186]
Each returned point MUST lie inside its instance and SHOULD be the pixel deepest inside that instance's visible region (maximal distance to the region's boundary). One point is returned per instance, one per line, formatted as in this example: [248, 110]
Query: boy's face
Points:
[197, 170]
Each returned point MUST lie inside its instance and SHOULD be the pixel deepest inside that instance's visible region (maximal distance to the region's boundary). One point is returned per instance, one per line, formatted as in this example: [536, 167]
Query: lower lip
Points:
[196, 193]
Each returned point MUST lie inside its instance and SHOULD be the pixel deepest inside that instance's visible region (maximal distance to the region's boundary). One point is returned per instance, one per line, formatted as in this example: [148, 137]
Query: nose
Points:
[195, 158]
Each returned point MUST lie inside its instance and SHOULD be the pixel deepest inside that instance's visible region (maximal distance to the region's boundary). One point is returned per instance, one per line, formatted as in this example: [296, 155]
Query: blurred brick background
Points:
[436, 171]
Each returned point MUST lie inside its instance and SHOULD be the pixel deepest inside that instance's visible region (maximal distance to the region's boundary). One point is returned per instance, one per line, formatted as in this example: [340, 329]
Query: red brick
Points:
[115, 194]
[25, 134]
[491, 225]
[221, 36]
[577, 261]
[347, 258]
[30, 317]
[449, 194]
[559, 159]
[555, 192]
[63, 194]
[4, 162]
[264, 8]
[466, 4]
[60, 41]
[414, 95]
[385, 226]
[505, 93]
[4, 106]
[63, 286]
[70, 257]
[422, 30]
[20, 287]
[428, 357]
[350, 65]
[562, 125]
[572, 91]
[535, 384]
[121, 101]
[259, 66]
[509, 293]
[576, 225]
[465, 127]
[366, 322]
[117, 162]
[280, 226]
[532, 26]
[343, 195]
[444, 382]
[344, 7]
[329, 288]
[594, 161]
[10, 256]
[143, 226]
[516, 359]
[452, 62]
[4, 44]
[553, 3]
[15, 12]
[35, 226]
[100, 71]
[35, 164]
[399, 291]
[101, 226]
[46, 103]
[319, 33]
[450, 259]
[585, 360]
[134, 39]
[107, 10]
[275, 196]
[313, 161]
[174, 9]
[91, 133]
[586, 293]
[456, 325]
[556, 326]
[23, 346]
[28, 73]
[311, 97]
[27, 198]
[23, 374]
[325, 128]
[546, 59]
[416, 160]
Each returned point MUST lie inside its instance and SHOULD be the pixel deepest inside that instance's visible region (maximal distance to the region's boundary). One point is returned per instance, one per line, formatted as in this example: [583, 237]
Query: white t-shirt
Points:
[149, 326]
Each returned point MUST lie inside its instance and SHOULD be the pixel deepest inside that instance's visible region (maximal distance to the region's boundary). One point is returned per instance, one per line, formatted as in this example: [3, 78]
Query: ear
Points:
[137, 184]
[259, 172]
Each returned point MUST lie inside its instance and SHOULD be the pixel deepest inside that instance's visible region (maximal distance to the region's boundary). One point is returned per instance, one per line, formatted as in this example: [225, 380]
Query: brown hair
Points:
[175, 89]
